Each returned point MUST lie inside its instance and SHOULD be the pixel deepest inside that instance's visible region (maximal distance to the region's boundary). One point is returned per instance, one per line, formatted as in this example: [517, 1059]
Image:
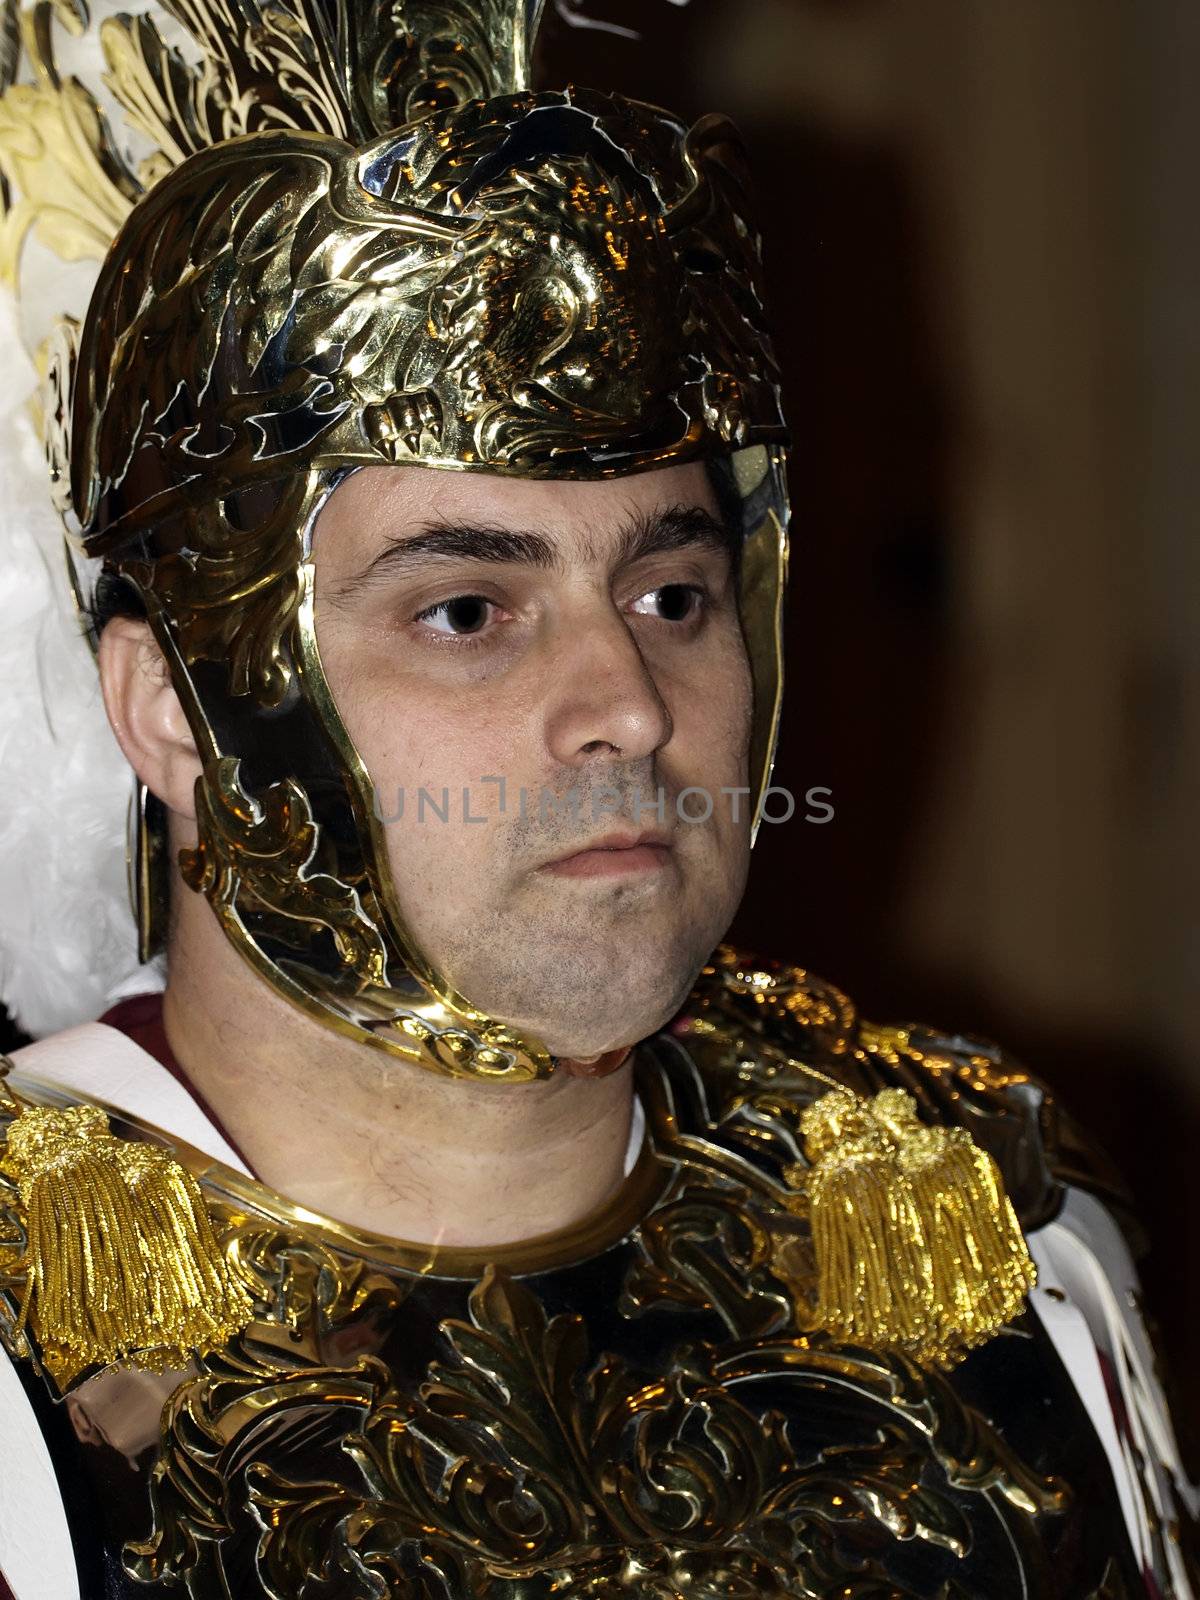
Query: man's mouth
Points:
[614, 855]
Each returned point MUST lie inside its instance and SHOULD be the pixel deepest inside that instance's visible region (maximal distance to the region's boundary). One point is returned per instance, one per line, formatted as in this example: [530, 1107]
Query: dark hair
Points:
[115, 596]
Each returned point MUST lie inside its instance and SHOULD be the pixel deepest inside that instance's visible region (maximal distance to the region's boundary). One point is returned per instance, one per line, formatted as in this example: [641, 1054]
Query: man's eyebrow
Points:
[677, 528]
[454, 541]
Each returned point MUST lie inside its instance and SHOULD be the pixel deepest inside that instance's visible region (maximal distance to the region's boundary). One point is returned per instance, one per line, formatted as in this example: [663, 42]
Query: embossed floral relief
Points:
[528, 1464]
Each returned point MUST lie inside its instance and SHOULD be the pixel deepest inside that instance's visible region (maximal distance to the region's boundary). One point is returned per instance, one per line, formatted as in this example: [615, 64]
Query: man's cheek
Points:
[432, 867]
[712, 743]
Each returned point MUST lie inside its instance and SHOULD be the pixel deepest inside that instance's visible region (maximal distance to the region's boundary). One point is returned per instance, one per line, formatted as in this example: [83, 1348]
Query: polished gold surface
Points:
[344, 235]
[284, 66]
[648, 1405]
[596, 1479]
[119, 1260]
[279, 837]
[507, 289]
[558, 284]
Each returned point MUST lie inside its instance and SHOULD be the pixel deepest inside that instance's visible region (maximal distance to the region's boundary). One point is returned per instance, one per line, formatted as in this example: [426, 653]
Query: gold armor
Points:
[645, 1404]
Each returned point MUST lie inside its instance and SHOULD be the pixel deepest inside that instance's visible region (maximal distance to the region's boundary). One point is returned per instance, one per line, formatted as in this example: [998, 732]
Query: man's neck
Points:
[380, 1143]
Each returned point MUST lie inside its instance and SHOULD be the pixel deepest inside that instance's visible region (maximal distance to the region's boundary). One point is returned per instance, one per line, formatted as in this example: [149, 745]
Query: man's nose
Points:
[602, 695]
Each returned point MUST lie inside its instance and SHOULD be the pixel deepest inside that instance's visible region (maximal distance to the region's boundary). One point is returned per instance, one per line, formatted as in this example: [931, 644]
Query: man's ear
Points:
[146, 715]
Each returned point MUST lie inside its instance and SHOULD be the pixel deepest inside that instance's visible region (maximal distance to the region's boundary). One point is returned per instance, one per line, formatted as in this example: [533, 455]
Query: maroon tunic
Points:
[140, 1018]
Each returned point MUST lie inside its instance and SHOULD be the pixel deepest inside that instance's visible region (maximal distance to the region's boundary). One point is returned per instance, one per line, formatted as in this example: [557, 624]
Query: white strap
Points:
[1087, 1300]
[36, 1556]
[637, 1133]
[97, 1062]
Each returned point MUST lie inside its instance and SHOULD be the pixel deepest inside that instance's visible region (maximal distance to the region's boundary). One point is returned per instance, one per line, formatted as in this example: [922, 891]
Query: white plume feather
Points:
[68, 942]
[571, 14]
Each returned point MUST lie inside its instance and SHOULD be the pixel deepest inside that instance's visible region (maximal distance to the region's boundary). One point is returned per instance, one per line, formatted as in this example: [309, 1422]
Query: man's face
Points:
[533, 672]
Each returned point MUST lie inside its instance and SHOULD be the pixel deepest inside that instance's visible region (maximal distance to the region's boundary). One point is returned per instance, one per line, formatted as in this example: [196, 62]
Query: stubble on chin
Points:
[582, 966]
[582, 973]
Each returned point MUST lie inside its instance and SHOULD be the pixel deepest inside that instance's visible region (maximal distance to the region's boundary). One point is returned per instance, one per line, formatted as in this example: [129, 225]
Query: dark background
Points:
[983, 260]
[982, 247]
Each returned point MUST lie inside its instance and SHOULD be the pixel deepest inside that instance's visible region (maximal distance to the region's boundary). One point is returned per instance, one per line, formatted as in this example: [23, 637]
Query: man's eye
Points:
[673, 602]
[464, 614]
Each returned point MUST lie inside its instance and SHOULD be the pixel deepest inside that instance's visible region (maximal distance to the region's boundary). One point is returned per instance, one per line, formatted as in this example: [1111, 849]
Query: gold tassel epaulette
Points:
[120, 1261]
[917, 1245]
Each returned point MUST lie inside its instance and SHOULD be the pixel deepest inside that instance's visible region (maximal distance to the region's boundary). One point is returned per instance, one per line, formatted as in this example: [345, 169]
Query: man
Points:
[458, 1224]
[533, 673]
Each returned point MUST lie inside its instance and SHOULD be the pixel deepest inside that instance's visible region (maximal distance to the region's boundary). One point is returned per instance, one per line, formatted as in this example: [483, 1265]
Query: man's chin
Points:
[583, 988]
[608, 1019]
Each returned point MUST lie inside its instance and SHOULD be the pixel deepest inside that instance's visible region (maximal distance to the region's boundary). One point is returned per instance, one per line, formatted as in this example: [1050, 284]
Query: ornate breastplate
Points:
[644, 1406]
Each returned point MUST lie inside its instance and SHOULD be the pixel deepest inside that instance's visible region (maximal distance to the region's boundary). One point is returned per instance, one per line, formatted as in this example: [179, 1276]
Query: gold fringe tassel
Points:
[121, 1260]
[917, 1244]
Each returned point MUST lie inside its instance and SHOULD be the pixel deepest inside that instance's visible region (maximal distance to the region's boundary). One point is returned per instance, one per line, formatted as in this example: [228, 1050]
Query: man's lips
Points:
[615, 855]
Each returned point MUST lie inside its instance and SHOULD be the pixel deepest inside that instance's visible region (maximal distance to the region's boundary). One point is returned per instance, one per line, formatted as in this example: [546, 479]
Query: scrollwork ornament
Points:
[58, 359]
[263, 854]
[62, 174]
[527, 1465]
[389, 1425]
[705, 1249]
